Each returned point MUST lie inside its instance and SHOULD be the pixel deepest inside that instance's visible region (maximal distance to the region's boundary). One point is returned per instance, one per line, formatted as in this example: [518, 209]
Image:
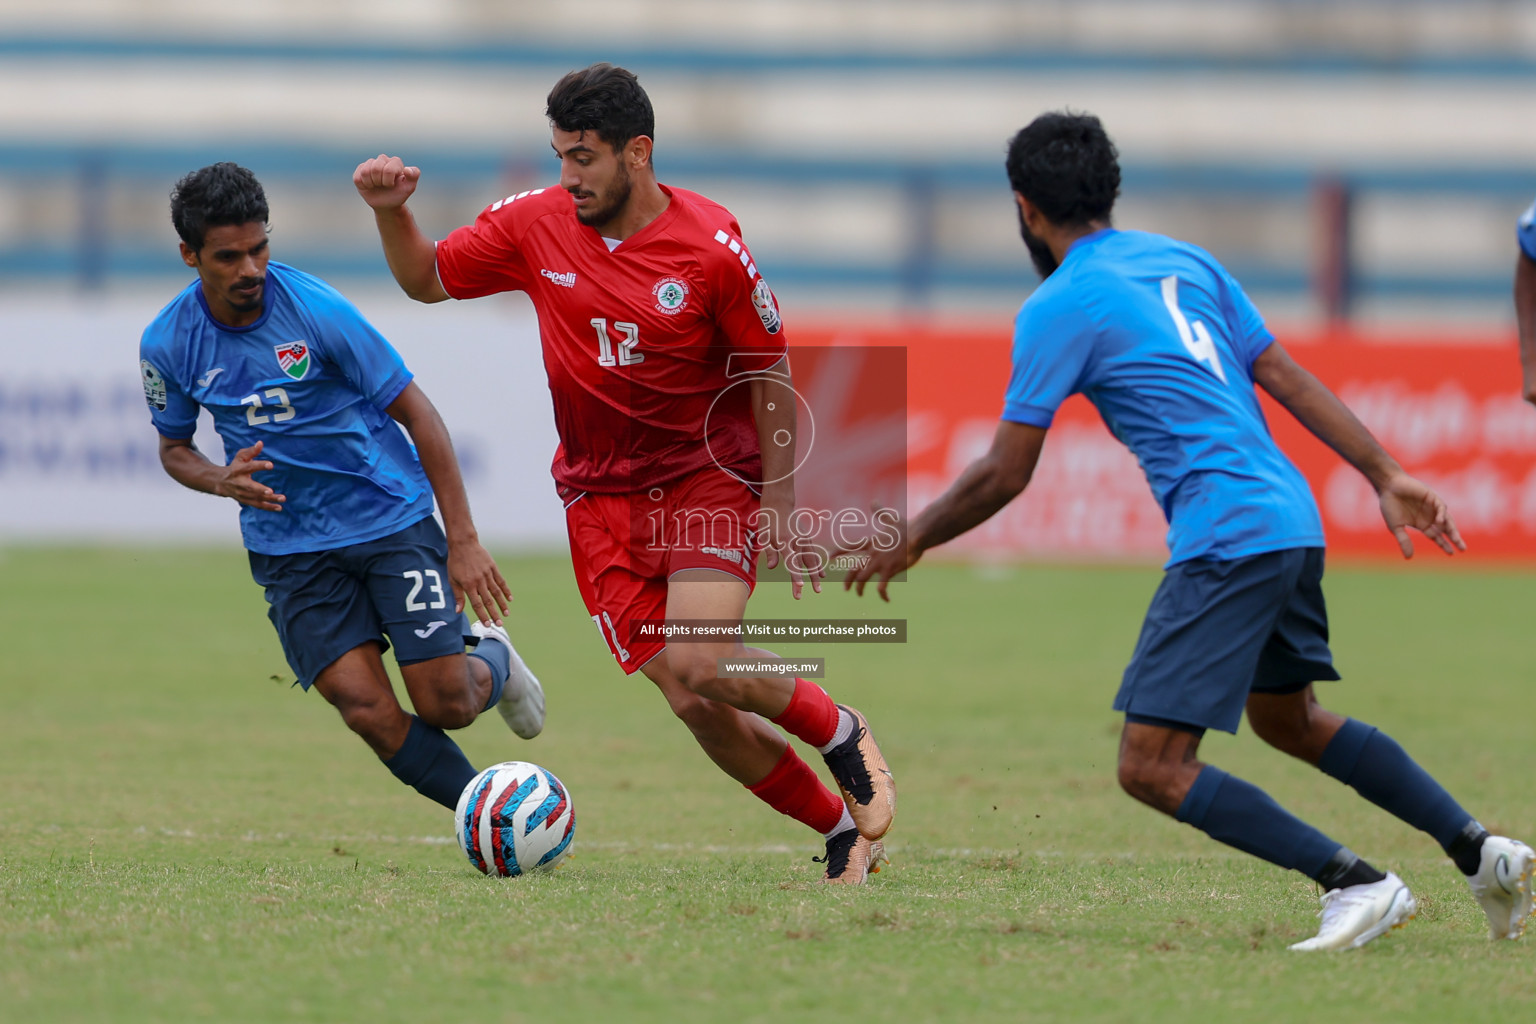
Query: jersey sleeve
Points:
[1525, 231]
[1250, 335]
[1052, 346]
[173, 411]
[744, 307]
[363, 355]
[484, 258]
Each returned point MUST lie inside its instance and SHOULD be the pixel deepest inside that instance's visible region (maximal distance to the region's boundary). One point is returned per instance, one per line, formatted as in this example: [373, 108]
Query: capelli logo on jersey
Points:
[563, 280]
[725, 553]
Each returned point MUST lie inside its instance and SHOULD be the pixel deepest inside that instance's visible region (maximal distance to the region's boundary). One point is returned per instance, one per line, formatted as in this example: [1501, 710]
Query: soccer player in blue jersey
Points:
[335, 503]
[1525, 299]
[1164, 342]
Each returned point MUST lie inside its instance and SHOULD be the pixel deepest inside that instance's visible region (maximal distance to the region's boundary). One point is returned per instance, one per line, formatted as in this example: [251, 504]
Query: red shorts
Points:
[625, 547]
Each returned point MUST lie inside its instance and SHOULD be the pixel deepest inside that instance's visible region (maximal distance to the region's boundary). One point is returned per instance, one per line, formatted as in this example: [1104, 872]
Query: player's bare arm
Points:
[1405, 501]
[190, 468]
[1525, 317]
[773, 410]
[984, 487]
[385, 183]
[470, 567]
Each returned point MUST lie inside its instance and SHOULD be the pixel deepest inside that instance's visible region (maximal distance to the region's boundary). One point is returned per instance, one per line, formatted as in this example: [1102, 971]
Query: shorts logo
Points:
[767, 309]
[293, 358]
[671, 295]
[432, 627]
[725, 553]
[154, 385]
[567, 280]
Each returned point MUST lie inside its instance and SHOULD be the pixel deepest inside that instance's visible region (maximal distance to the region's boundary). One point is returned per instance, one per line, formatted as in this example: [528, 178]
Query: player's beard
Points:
[607, 205]
[1040, 254]
[240, 304]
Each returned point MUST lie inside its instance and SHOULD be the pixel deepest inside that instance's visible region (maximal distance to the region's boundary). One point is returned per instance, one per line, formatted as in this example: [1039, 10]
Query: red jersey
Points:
[647, 346]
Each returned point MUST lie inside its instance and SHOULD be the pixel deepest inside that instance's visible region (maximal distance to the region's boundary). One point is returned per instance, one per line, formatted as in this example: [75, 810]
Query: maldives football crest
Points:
[671, 295]
[293, 358]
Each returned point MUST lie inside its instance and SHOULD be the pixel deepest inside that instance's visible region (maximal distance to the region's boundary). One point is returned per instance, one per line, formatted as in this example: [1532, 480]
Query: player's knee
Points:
[1285, 726]
[702, 716]
[1142, 776]
[696, 671]
[1277, 732]
[372, 718]
[448, 708]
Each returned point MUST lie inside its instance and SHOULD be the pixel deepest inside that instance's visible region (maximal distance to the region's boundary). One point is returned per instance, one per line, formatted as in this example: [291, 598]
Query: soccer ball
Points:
[515, 817]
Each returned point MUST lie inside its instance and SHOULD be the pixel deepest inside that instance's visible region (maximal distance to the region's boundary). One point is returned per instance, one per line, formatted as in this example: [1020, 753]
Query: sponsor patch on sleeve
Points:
[767, 309]
[154, 385]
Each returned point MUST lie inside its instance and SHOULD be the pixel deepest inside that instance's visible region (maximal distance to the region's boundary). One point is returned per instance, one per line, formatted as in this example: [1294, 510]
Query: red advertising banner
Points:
[1451, 413]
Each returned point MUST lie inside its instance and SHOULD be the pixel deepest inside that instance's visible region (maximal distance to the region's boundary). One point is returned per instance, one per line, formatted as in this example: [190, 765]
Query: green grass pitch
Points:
[184, 837]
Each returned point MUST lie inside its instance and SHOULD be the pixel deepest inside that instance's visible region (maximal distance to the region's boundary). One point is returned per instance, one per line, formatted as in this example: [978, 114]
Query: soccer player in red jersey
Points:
[668, 367]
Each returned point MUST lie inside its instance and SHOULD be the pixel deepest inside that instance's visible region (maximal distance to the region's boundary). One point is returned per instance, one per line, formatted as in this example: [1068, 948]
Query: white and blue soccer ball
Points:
[514, 818]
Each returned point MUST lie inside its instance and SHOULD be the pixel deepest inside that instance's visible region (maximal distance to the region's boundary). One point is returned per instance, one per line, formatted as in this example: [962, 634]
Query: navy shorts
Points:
[324, 603]
[1220, 630]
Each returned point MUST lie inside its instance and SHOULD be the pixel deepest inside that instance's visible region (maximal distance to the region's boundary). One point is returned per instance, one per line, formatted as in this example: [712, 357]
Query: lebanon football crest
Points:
[293, 358]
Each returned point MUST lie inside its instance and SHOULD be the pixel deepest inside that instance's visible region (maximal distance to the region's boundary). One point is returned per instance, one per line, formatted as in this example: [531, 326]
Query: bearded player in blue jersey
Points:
[1525, 300]
[335, 503]
[1165, 344]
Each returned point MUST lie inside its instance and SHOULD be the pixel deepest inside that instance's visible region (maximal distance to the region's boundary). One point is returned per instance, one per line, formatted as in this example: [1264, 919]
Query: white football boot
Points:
[1356, 914]
[1502, 885]
[522, 701]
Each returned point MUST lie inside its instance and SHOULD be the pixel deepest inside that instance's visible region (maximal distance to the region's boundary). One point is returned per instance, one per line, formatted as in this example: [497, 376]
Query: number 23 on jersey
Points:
[279, 411]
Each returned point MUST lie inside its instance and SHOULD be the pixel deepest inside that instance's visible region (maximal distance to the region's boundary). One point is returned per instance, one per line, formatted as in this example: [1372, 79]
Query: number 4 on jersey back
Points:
[1196, 338]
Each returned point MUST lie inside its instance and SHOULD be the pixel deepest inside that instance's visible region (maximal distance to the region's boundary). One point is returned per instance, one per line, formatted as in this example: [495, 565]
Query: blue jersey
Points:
[1162, 340]
[312, 379]
[1525, 231]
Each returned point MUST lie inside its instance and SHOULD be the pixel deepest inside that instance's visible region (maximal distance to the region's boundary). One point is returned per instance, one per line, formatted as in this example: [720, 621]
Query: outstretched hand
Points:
[385, 182]
[1408, 502]
[475, 576]
[881, 564]
[238, 483]
[778, 541]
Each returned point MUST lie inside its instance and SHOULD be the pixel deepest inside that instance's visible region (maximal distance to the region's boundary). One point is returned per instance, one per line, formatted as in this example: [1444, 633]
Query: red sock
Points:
[792, 788]
[811, 715]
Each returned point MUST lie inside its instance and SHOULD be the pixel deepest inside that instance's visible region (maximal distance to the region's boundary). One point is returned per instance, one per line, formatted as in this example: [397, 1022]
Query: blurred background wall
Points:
[1356, 163]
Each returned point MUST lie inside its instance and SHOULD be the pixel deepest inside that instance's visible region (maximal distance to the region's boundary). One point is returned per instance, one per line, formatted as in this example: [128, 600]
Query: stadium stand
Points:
[1357, 158]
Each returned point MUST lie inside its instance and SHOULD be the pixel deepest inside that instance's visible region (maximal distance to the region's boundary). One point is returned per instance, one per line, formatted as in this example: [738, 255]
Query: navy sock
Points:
[495, 654]
[1241, 814]
[1370, 761]
[432, 764]
[1345, 869]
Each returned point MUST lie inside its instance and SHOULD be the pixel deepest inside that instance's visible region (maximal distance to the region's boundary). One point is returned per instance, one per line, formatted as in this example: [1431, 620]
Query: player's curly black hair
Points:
[603, 99]
[1065, 164]
[219, 194]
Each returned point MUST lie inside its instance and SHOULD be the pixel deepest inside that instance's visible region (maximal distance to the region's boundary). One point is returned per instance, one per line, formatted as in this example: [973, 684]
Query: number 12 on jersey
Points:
[1195, 336]
[627, 356]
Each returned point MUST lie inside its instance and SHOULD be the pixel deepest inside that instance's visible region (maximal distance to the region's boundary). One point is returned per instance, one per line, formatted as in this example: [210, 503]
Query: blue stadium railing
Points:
[1315, 58]
[89, 253]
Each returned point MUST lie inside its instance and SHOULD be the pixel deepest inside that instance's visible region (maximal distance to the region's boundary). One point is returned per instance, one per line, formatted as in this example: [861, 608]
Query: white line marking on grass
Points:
[780, 849]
